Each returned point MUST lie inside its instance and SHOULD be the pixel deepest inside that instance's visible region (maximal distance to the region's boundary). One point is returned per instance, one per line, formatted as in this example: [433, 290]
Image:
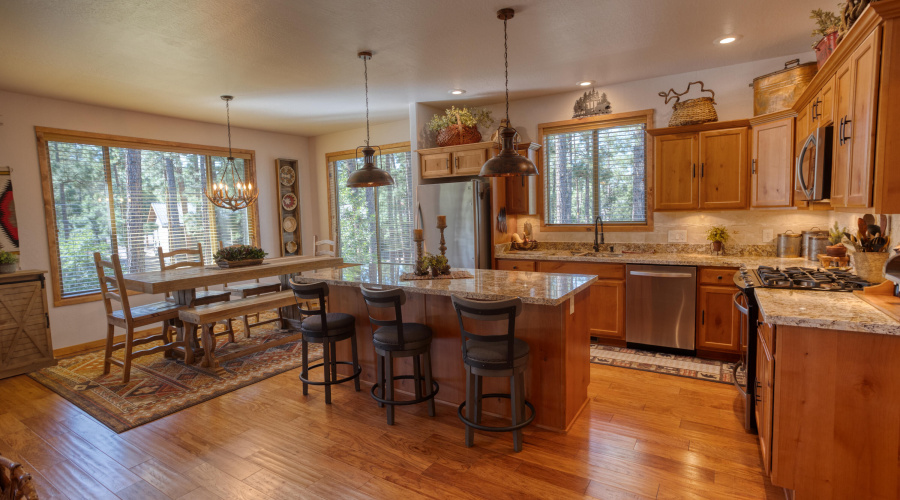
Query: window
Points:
[130, 196]
[596, 166]
[373, 224]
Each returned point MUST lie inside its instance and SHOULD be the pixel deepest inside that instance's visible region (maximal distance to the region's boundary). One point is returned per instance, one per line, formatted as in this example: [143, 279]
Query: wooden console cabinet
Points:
[25, 343]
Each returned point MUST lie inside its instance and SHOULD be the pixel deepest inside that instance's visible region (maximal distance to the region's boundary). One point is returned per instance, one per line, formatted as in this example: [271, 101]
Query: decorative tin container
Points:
[779, 90]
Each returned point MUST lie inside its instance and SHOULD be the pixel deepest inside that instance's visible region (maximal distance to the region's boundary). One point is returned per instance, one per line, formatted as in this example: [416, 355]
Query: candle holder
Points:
[442, 224]
[419, 239]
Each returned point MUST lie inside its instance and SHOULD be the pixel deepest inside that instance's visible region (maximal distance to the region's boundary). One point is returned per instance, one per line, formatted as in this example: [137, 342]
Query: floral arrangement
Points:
[437, 263]
[239, 252]
[836, 234]
[8, 258]
[827, 22]
[717, 233]
[467, 117]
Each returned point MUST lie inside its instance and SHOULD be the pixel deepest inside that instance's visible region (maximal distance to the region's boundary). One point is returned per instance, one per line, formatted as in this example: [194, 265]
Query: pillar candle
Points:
[418, 235]
[442, 220]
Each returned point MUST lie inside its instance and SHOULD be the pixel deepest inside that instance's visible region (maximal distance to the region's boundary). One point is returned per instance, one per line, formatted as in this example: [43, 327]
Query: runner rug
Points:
[160, 386]
[670, 364]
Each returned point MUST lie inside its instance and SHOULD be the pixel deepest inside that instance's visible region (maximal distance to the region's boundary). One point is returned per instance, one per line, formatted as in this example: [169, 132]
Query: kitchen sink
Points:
[597, 254]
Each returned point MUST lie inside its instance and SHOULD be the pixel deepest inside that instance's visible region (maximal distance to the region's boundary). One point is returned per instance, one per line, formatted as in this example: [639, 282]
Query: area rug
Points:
[160, 386]
[669, 364]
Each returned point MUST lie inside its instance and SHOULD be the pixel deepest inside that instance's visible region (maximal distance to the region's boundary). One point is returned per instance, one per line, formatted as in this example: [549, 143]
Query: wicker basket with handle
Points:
[458, 134]
[691, 111]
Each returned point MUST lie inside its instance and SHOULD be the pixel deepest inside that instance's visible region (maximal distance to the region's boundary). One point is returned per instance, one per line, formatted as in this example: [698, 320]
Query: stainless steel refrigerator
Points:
[467, 206]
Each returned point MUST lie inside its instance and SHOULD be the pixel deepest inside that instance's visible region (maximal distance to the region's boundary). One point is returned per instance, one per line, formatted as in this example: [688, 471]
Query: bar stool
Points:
[326, 329]
[500, 355]
[396, 339]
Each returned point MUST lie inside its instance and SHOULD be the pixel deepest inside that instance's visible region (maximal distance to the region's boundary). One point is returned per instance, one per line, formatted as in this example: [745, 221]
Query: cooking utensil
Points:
[849, 244]
[787, 244]
[873, 229]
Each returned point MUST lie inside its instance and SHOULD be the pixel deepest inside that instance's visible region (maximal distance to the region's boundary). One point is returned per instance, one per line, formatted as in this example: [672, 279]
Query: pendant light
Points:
[237, 195]
[508, 162]
[369, 175]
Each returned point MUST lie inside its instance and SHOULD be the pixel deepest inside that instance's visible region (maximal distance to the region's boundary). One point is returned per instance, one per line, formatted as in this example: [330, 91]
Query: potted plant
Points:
[835, 235]
[459, 125]
[827, 24]
[438, 264]
[422, 264]
[718, 235]
[239, 256]
[8, 262]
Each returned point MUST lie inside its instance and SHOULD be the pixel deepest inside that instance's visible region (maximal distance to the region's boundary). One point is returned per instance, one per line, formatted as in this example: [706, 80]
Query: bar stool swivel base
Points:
[435, 387]
[478, 425]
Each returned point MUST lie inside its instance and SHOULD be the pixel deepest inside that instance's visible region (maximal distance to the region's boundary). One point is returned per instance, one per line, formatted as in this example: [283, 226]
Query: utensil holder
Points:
[869, 265]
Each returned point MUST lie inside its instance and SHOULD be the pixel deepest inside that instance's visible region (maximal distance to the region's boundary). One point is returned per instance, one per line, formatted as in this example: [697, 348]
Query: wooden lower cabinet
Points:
[515, 265]
[607, 311]
[718, 321]
[765, 391]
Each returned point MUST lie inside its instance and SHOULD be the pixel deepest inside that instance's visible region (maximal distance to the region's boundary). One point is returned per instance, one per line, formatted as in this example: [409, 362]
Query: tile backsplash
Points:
[746, 227]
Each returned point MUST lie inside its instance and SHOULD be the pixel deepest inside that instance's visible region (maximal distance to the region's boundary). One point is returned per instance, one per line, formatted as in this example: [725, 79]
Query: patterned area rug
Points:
[670, 364]
[160, 386]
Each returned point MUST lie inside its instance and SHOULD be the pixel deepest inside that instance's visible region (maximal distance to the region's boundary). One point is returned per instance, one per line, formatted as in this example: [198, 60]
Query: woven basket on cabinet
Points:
[458, 134]
[691, 111]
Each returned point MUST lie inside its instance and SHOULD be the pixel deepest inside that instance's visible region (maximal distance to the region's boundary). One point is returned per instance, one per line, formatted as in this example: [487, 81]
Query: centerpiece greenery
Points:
[835, 236]
[718, 235]
[459, 125]
[437, 263]
[8, 262]
[239, 254]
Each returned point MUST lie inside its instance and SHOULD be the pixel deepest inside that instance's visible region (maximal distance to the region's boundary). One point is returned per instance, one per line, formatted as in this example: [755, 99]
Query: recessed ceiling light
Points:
[728, 39]
[586, 83]
[457, 91]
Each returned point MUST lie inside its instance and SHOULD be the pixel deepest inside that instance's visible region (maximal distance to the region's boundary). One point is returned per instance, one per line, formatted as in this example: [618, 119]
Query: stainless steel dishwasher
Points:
[660, 306]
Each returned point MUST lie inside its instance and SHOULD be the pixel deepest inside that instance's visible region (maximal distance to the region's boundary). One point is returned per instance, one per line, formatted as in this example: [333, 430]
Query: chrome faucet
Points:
[597, 245]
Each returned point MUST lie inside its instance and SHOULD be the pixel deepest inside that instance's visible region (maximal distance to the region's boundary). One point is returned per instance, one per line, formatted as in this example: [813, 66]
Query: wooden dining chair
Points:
[244, 290]
[112, 288]
[202, 296]
[329, 243]
[15, 483]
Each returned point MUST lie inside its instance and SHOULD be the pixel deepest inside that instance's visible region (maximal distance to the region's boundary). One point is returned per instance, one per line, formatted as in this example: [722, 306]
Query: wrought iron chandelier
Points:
[231, 192]
[508, 162]
[369, 175]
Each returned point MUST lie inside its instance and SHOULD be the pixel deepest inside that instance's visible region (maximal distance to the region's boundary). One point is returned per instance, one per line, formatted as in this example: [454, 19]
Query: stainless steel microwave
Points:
[814, 164]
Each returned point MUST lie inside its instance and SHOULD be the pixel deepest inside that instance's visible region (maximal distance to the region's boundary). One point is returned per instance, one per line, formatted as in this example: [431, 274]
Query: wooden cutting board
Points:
[882, 297]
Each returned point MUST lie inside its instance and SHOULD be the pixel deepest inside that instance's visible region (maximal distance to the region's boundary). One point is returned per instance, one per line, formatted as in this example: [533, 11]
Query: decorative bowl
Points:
[228, 264]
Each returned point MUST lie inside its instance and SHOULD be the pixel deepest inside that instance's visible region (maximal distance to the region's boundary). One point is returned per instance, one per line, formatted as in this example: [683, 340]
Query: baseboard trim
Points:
[74, 350]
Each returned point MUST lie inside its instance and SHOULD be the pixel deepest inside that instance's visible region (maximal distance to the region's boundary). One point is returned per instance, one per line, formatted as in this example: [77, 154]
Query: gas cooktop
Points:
[800, 278]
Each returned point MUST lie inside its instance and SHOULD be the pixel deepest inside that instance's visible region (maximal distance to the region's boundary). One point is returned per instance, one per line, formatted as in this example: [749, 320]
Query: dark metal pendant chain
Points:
[228, 117]
[366, 76]
[506, 68]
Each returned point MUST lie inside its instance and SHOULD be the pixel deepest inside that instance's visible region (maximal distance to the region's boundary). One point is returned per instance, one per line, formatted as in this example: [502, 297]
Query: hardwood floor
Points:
[643, 435]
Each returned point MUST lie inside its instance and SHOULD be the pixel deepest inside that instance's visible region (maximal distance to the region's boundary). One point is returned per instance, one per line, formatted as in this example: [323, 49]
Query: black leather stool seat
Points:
[335, 321]
[415, 335]
[495, 352]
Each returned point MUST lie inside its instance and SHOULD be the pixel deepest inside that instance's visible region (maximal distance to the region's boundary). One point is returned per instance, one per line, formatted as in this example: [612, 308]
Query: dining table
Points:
[183, 283]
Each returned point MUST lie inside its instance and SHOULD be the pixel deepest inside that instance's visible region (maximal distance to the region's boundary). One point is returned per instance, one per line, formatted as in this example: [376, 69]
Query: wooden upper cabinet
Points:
[676, 182]
[435, 165]
[772, 167]
[861, 126]
[723, 168]
[521, 191]
[469, 162]
[840, 162]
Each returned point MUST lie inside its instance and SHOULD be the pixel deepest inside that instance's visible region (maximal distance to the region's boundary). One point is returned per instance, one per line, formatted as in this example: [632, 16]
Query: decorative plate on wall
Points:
[289, 224]
[290, 246]
[289, 201]
[287, 175]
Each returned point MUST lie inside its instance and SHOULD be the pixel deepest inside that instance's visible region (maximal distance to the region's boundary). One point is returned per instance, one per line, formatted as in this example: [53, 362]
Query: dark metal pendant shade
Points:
[369, 175]
[508, 162]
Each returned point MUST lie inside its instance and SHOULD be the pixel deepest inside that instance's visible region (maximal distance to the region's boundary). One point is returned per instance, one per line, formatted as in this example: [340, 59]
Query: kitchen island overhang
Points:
[554, 322]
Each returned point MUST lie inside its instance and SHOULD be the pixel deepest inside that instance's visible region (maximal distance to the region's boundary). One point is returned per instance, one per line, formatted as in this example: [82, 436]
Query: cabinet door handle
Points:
[693, 170]
[456, 163]
[845, 138]
[758, 397]
[718, 277]
[702, 317]
[753, 166]
[702, 165]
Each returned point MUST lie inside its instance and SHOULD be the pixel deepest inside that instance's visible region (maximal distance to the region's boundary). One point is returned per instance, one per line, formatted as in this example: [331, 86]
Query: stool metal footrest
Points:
[332, 382]
[510, 428]
[435, 387]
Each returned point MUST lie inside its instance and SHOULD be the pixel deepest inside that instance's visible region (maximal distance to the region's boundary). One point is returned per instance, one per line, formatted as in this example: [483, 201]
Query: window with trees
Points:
[373, 225]
[131, 196]
[596, 166]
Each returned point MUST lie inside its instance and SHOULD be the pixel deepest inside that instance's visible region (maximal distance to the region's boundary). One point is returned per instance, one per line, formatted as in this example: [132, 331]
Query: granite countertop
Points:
[671, 259]
[831, 311]
[533, 288]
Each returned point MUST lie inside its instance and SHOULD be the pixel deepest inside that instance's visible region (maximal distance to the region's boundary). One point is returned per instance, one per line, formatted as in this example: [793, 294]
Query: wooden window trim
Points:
[45, 134]
[645, 116]
[396, 147]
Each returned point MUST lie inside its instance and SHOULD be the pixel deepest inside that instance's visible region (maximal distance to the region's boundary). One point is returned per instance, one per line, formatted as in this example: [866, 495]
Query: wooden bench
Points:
[206, 316]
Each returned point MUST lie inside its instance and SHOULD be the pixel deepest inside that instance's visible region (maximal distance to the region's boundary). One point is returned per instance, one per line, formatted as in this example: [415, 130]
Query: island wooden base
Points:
[558, 373]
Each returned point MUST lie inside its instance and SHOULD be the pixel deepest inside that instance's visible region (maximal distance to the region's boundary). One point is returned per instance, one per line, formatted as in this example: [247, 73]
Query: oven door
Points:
[745, 370]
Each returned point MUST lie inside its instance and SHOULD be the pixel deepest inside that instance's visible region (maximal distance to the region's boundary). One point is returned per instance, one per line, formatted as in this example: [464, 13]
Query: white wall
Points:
[20, 113]
[319, 146]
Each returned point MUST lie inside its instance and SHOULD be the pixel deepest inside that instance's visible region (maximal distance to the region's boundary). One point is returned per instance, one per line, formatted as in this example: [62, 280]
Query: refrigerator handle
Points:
[476, 187]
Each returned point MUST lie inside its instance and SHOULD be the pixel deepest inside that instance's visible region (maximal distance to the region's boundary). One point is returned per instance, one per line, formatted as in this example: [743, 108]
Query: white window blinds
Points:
[374, 225]
[130, 201]
[596, 170]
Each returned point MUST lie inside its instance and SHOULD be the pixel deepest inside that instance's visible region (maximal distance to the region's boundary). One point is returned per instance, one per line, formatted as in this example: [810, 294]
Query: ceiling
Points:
[292, 65]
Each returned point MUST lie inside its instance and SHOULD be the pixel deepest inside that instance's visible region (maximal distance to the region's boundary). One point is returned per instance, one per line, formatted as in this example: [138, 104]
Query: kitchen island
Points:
[553, 322]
